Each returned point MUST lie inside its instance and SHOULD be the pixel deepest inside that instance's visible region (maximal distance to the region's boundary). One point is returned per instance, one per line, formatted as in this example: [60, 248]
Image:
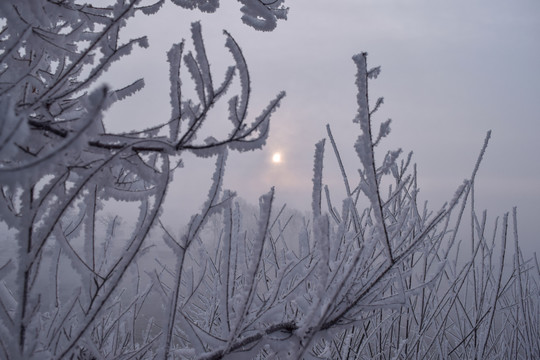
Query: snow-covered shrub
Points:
[379, 278]
[398, 283]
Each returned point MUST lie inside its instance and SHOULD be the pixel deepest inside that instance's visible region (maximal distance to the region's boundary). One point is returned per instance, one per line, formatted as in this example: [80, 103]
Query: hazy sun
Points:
[276, 158]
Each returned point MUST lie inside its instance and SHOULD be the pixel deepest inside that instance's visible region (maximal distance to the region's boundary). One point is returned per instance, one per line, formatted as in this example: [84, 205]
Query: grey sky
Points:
[451, 71]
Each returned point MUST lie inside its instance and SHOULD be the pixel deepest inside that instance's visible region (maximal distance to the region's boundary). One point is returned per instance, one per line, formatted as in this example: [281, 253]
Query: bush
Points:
[379, 278]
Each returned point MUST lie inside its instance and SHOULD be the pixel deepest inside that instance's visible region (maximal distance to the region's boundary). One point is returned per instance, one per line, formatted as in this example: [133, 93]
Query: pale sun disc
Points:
[276, 158]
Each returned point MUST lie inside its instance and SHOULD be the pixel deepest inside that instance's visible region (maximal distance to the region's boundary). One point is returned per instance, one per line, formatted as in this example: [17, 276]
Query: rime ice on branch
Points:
[61, 172]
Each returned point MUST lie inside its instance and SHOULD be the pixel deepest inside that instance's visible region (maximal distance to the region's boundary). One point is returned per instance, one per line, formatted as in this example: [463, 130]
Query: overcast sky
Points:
[451, 71]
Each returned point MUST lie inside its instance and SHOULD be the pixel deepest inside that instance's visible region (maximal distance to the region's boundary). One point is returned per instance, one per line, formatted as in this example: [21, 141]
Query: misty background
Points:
[451, 71]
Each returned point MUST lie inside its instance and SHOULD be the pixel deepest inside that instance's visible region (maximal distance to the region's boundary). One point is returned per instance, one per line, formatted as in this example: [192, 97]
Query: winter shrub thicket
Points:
[372, 276]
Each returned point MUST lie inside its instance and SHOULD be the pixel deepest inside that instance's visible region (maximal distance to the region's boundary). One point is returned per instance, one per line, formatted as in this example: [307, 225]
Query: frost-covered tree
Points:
[61, 170]
[380, 277]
